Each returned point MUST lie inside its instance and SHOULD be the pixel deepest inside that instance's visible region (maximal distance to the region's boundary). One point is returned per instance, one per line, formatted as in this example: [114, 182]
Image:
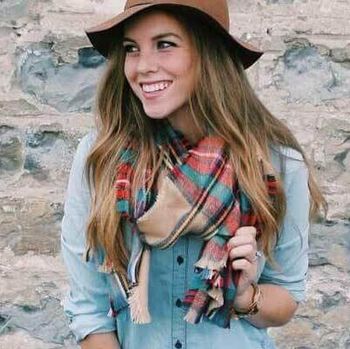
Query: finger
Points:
[243, 251]
[246, 230]
[243, 234]
[241, 264]
[247, 239]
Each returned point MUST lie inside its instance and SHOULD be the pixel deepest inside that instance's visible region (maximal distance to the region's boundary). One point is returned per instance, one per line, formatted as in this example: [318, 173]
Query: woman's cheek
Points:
[129, 70]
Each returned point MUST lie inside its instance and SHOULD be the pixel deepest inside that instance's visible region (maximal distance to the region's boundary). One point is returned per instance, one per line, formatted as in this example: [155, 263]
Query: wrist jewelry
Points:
[253, 307]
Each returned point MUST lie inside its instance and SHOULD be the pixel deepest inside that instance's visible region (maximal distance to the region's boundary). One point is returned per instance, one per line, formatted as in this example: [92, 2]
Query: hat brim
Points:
[102, 35]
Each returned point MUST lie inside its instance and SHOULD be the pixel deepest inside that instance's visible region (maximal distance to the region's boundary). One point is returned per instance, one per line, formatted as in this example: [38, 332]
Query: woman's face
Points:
[159, 64]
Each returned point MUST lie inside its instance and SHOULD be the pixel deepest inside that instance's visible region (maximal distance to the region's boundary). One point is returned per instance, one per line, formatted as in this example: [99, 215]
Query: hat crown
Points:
[103, 36]
[217, 9]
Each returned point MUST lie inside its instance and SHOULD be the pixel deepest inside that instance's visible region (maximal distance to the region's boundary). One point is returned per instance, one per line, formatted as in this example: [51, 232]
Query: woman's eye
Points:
[165, 44]
[130, 48]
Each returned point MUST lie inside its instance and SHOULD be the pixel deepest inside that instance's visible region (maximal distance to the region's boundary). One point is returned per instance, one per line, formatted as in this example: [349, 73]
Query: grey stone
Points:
[33, 166]
[330, 245]
[48, 153]
[46, 322]
[323, 317]
[30, 225]
[5, 128]
[4, 323]
[66, 87]
[279, 2]
[42, 152]
[89, 58]
[13, 9]
[334, 300]
[317, 259]
[30, 278]
[10, 154]
[22, 339]
[41, 138]
[309, 74]
[341, 157]
[7, 39]
[30, 303]
[341, 54]
[66, 48]
[18, 107]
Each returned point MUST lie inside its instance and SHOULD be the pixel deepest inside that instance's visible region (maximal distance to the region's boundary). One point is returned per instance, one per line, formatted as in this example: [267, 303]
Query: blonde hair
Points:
[223, 100]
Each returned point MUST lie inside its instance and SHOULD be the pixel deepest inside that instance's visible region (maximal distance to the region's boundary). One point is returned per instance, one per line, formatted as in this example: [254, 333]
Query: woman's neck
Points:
[182, 122]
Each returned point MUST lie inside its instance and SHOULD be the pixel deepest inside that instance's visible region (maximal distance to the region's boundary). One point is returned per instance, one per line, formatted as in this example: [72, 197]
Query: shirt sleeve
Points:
[291, 250]
[86, 304]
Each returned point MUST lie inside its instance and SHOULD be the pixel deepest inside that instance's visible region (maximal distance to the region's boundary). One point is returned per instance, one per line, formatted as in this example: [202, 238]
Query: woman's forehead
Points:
[153, 21]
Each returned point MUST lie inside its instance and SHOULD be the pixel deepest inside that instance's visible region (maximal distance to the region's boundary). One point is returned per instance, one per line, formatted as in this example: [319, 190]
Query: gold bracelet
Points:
[253, 307]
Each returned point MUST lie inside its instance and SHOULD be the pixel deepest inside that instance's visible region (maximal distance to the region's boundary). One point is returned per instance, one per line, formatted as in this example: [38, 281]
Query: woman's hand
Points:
[242, 255]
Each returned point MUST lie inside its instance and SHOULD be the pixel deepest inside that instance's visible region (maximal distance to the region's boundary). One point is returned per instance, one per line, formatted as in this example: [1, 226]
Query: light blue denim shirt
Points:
[87, 303]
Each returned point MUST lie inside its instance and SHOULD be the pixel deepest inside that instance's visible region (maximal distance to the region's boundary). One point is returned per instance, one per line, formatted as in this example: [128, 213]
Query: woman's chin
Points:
[156, 114]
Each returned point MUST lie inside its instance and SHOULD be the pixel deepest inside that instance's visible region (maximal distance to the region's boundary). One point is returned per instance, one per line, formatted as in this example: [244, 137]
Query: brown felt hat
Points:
[103, 35]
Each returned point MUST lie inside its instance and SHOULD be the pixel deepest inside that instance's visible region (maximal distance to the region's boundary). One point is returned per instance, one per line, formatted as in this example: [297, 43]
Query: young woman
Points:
[187, 211]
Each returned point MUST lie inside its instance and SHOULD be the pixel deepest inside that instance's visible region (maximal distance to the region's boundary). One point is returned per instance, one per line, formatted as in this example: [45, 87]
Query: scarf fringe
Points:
[138, 310]
[138, 295]
[212, 308]
[218, 281]
[217, 300]
[191, 316]
[206, 262]
[217, 295]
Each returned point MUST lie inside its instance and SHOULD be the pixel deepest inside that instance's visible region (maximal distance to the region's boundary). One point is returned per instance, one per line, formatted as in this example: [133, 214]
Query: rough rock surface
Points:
[47, 92]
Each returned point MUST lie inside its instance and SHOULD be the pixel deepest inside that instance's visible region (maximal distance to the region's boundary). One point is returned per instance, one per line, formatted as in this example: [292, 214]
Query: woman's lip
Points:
[155, 94]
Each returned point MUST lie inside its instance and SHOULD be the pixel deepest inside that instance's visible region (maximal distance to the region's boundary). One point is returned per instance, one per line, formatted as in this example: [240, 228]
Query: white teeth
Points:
[155, 87]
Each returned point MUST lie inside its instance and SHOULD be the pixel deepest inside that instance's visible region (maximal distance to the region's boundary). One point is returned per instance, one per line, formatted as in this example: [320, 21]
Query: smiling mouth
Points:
[155, 87]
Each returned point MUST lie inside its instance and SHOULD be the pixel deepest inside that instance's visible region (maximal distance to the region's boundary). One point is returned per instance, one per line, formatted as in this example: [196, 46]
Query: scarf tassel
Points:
[216, 301]
[209, 266]
[218, 281]
[192, 317]
[138, 295]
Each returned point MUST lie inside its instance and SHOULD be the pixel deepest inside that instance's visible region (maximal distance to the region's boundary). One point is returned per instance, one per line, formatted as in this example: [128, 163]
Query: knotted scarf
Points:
[196, 192]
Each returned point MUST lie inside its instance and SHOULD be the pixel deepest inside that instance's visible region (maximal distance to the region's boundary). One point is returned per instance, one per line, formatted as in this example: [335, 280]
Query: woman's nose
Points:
[147, 63]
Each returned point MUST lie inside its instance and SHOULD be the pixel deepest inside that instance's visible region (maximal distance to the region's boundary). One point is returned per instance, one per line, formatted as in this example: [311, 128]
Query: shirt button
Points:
[178, 303]
[180, 259]
[178, 344]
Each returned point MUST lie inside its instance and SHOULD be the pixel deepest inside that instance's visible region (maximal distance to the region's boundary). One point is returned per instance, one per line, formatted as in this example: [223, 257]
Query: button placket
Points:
[179, 288]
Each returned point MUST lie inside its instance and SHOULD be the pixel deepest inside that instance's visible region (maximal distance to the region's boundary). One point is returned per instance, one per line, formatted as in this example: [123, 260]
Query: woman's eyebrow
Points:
[157, 37]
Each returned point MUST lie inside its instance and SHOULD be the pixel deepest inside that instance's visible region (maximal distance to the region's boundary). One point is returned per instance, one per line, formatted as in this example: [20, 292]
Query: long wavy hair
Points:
[224, 100]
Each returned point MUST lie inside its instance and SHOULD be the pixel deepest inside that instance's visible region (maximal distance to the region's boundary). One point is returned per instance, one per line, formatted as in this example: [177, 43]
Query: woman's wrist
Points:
[243, 301]
[241, 309]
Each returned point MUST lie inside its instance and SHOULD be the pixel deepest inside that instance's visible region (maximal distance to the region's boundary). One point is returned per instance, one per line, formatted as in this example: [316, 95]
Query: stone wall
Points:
[47, 85]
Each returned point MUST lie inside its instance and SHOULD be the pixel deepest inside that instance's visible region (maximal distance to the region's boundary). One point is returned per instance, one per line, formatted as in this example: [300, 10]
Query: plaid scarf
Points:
[198, 193]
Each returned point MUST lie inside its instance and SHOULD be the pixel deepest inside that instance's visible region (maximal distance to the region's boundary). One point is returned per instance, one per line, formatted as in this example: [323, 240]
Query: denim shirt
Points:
[87, 304]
